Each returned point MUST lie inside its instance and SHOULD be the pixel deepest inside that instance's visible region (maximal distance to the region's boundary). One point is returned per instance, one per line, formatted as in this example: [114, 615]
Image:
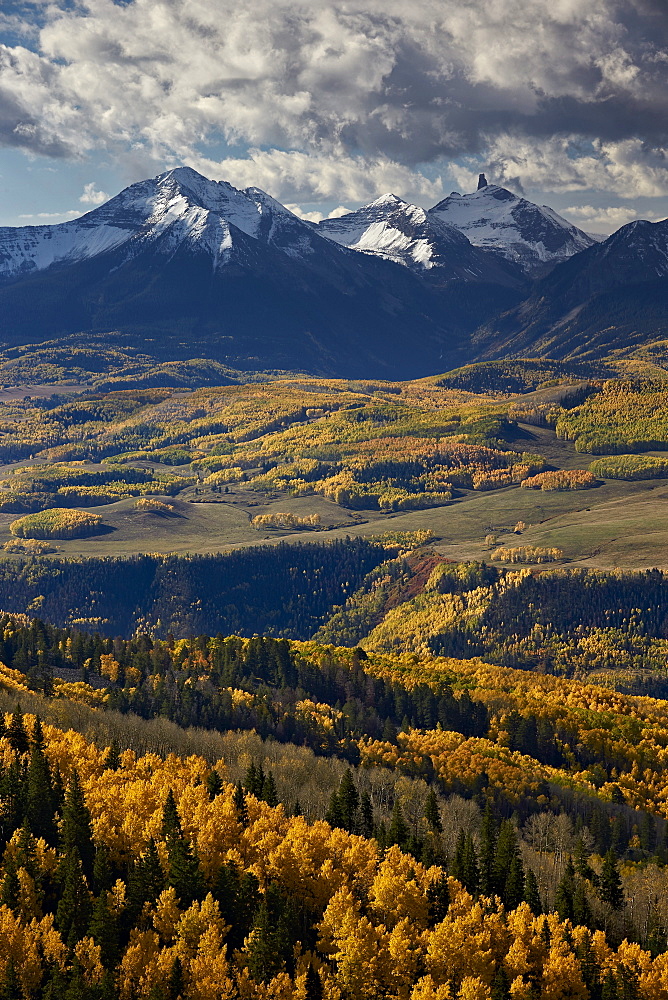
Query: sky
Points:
[327, 104]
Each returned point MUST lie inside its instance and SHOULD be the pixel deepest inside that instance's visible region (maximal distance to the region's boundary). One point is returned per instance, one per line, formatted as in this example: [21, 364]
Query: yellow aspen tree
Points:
[473, 988]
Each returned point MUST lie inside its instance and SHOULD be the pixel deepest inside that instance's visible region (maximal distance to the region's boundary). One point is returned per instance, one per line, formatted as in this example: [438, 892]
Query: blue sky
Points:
[331, 103]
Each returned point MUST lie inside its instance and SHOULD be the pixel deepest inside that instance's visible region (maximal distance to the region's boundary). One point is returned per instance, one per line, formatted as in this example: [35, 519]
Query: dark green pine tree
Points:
[507, 852]
[432, 813]
[531, 893]
[214, 783]
[103, 876]
[263, 954]
[176, 985]
[398, 832]
[146, 880]
[74, 907]
[366, 815]
[11, 986]
[334, 814]
[609, 989]
[184, 872]
[171, 824]
[438, 897]
[488, 839]
[40, 803]
[500, 985]
[103, 929]
[112, 761]
[349, 802]
[11, 887]
[269, 793]
[563, 901]
[313, 985]
[76, 831]
[582, 866]
[513, 890]
[610, 883]
[582, 915]
[239, 800]
[16, 734]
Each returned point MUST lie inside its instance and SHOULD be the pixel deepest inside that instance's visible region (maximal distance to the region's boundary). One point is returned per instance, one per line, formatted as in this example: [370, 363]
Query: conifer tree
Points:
[214, 783]
[40, 805]
[610, 883]
[438, 897]
[513, 890]
[263, 952]
[11, 887]
[171, 824]
[176, 982]
[112, 761]
[74, 907]
[500, 985]
[76, 830]
[103, 876]
[269, 793]
[398, 832]
[11, 987]
[582, 914]
[103, 928]
[313, 985]
[432, 813]
[17, 736]
[531, 893]
[239, 800]
[488, 839]
[366, 815]
[563, 902]
[349, 801]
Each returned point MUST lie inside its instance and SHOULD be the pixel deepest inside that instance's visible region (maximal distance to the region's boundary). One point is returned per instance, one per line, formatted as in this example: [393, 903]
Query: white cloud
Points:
[303, 214]
[336, 213]
[605, 219]
[52, 217]
[375, 87]
[91, 196]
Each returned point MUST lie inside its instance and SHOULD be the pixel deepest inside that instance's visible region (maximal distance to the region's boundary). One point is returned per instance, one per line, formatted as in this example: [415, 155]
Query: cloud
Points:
[308, 177]
[52, 217]
[605, 219]
[91, 196]
[336, 213]
[395, 85]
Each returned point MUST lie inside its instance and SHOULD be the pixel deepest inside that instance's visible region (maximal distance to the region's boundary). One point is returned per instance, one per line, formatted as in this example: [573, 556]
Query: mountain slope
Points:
[533, 237]
[190, 267]
[612, 296]
[406, 234]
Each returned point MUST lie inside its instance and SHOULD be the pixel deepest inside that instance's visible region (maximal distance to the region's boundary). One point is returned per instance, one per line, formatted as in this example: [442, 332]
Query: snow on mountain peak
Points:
[498, 220]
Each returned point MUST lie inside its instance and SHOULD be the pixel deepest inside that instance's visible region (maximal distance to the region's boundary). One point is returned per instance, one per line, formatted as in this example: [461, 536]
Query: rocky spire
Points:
[482, 181]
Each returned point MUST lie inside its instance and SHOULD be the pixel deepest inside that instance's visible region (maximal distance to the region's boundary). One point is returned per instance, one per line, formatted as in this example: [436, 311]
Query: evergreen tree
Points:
[531, 893]
[239, 800]
[334, 814]
[103, 876]
[366, 815]
[40, 806]
[432, 813]
[610, 883]
[11, 987]
[313, 985]
[563, 902]
[214, 783]
[500, 985]
[112, 761]
[103, 929]
[513, 890]
[176, 983]
[76, 832]
[171, 824]
[17, 736]
[488, 839]
[11, 887]
[438, 897]
[263, 953]
[349, 801]
[398, 832]
[609, 987]
[269, 793]
[74, 907]
[582, 914]
[506, 858]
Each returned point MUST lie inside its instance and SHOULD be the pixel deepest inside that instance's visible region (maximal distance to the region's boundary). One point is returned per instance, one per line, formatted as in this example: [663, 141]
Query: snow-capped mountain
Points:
[174, 209]
[612, 296]
[532, 236]
[194, 267]
[406, 234]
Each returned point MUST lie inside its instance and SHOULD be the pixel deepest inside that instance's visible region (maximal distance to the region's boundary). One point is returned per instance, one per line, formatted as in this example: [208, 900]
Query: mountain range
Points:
[186, 266]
